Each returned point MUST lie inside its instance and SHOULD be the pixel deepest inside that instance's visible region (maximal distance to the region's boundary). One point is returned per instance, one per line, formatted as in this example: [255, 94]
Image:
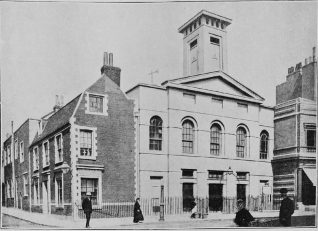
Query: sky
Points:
[56, 48]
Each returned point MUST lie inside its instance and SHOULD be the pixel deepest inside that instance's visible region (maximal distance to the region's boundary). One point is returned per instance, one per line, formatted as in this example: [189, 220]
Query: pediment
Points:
[217, 81]
[217, 84]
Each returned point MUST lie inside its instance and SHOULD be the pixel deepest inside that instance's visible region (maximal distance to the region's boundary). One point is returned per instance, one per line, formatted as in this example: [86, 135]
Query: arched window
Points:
[155, 133]
[215, 139]
[187, 136]
[240, 142]
[263, 152]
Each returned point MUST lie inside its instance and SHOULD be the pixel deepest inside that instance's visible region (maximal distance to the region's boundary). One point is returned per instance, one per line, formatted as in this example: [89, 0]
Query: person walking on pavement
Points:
[138, 217]
[87, 208]
[286, 208]
[243, 216]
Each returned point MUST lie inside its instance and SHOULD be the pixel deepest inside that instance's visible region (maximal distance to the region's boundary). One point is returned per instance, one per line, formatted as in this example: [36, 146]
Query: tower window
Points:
[193, 44]
[214, 40]
[207, 21]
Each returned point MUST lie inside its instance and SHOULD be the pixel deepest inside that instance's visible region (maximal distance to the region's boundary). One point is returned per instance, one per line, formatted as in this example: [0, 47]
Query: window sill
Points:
[87, 157]
[97, 113]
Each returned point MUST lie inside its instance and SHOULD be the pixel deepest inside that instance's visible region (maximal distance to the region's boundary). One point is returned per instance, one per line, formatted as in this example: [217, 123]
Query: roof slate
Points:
[58, 119]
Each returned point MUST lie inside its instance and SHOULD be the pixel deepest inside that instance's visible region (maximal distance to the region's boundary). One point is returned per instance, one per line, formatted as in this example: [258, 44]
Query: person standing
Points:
[286, 208]
[87, 208]
[138, 217]
[243, 216]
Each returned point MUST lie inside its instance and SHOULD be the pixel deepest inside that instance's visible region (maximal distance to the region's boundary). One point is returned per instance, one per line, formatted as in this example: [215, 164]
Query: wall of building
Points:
[169, 162]
[115, 140]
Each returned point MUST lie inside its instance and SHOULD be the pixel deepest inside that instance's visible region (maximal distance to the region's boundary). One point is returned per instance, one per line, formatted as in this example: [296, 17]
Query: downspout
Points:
[13, 165]
[168, 145]
[30, 197]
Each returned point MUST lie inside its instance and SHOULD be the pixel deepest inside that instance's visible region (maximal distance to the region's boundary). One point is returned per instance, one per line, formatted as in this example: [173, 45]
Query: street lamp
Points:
[162, 212]
[64, 167]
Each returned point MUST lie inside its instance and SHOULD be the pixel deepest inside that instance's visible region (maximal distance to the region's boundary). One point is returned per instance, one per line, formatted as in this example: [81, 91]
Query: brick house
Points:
[88, 145]
[294, 161]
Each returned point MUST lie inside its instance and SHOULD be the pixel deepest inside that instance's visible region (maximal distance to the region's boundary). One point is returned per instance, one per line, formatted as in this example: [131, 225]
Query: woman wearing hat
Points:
[243, 216]
[286, 208]
[87, 207]
[138, 217]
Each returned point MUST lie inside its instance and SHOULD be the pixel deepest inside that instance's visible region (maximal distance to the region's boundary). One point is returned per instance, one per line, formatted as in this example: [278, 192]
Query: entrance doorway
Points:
[215, 197]
[187, 195]
[45, 197]
[241, 192]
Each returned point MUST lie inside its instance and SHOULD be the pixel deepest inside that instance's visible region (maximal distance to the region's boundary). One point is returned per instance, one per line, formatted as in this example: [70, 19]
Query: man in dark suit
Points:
[286, 208]
[87, 207]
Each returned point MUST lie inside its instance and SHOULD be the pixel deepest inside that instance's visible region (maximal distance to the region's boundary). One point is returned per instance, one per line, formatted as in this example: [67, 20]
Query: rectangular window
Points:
[36, 191]
[58, 149]
[311, 138]
[214, 40]
[189, 96]
[25, 184]
[187, 172]
[217, 102]
[21, 154]
[59, 191]
[193, 44]
[35, 159]
[46, 160]
[243, 106]
[216, 175]
[16, 149]
[4, 157]
[241, 175]
[96, 103]
[86, 142]
[9, 154]
[90, 185]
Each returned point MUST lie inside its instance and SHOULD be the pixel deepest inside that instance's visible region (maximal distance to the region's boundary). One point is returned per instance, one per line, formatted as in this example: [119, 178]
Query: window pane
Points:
[187, 136]
[86, 142]
[155, 133]
[95, 103]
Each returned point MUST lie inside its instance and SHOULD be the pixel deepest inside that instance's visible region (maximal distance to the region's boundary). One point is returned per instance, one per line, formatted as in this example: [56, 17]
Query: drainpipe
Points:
[29, 178]
[13, 165]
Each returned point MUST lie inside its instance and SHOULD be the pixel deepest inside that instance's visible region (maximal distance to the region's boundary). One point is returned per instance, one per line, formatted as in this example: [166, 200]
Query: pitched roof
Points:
[58, 120]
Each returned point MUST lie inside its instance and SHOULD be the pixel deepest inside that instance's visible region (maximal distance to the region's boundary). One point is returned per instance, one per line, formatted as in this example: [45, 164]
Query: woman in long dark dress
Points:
[138, 217]
[243, 216]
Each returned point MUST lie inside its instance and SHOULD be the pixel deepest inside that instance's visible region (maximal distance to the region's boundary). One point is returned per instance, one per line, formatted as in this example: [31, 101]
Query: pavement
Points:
[58, 221]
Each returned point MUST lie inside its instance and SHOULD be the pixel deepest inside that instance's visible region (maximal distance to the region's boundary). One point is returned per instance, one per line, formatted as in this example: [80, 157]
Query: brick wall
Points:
[115, 140]
[291, 89]
[308, 81]
[285, 132]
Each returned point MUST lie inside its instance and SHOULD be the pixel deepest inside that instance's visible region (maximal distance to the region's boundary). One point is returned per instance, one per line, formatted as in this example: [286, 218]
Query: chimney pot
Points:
[105, 58]
[306, 61]
[111, 59]
[314, 54]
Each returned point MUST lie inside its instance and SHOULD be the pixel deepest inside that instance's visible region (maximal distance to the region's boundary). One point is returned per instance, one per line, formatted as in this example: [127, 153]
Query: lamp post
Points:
[162, 212]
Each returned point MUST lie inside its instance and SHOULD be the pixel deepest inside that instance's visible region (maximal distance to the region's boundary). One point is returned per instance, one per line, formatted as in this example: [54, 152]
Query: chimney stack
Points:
[109, 70]
[58, 103]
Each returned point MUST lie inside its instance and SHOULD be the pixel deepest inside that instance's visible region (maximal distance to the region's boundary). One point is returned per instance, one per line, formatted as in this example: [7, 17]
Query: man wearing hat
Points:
[87, 207]
[286, 208]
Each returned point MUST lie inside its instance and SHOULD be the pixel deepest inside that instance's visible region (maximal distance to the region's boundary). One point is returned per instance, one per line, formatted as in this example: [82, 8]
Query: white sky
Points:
[57, 48]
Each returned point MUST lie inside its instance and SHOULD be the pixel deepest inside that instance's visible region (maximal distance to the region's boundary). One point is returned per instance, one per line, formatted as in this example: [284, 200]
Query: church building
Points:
[204, 134]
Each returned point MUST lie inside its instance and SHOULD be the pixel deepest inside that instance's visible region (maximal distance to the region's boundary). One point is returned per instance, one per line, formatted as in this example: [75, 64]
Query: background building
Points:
[204, 134]
[294, 162]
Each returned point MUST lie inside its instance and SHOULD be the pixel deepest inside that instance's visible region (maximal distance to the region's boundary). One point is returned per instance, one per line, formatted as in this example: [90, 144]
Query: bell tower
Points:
[204, 43]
